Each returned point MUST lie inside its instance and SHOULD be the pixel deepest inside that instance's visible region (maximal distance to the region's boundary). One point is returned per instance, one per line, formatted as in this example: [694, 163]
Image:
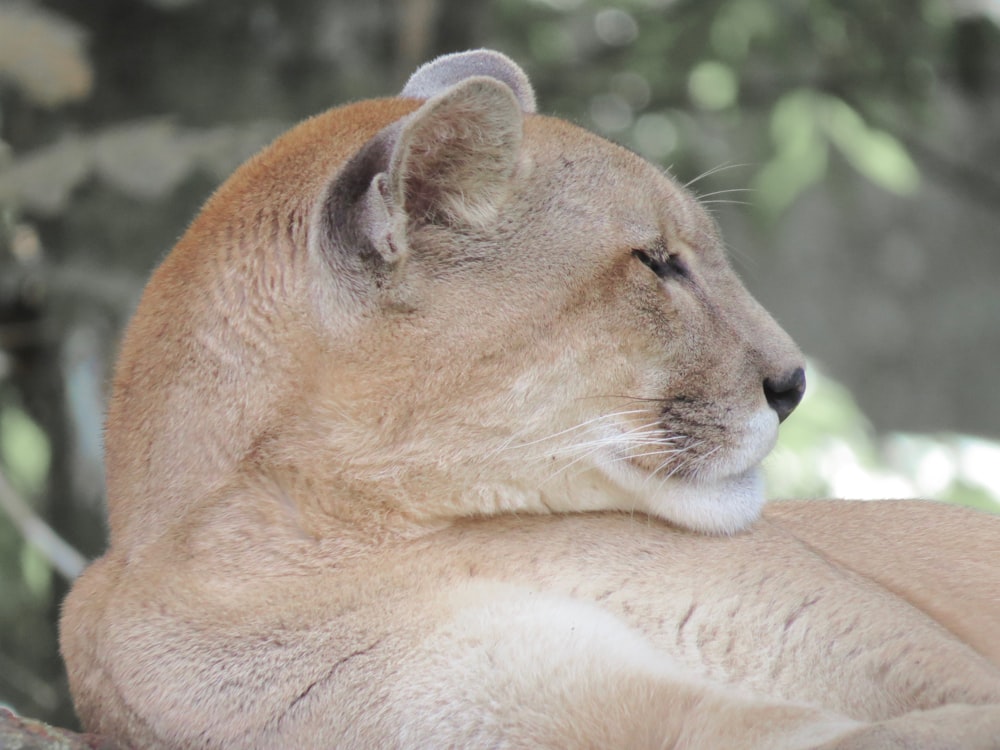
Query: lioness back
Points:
[441, 426]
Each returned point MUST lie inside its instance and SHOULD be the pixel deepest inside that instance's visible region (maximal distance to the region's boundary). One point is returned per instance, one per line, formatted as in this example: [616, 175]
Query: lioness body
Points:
[396, 435]
[760, 610]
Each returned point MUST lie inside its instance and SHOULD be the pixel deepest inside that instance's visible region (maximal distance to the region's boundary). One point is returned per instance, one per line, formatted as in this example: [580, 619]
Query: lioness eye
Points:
[667, 266]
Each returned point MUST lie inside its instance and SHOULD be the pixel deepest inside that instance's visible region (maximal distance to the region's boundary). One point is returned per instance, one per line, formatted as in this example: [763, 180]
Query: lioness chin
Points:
[411, 441]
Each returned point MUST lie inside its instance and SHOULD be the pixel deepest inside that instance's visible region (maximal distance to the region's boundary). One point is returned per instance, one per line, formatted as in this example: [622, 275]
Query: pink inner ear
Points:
[421, 194]
[455, 157]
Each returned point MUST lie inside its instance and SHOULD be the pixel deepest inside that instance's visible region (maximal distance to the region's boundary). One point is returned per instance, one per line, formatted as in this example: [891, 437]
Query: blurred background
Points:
[850, 151]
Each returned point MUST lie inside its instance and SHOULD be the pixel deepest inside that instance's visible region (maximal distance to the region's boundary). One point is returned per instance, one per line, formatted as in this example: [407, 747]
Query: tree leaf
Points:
[144, 158]
[800, 158]
[43, 180]
[147, 158]
[874, 153]
[43, 54]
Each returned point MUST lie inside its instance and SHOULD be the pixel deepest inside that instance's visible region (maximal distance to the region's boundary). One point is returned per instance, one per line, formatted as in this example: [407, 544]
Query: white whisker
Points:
[677, 465]
[620, 444]
[509, 443]
[725, 203]
[646, 437]
[698, 461]
[606, 436]
[714, 170]
[727, 191]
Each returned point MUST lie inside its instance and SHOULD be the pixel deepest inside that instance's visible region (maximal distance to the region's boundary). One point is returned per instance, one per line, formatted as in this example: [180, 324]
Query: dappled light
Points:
[829, 449]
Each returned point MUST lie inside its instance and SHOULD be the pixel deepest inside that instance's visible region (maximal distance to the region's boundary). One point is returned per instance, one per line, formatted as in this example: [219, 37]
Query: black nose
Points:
[784, 394]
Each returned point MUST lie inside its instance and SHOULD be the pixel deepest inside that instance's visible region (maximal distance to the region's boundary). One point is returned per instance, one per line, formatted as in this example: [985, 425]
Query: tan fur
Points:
[403, 444]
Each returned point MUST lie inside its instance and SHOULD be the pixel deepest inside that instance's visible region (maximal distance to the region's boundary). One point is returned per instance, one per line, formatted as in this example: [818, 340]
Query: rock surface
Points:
[19, 733]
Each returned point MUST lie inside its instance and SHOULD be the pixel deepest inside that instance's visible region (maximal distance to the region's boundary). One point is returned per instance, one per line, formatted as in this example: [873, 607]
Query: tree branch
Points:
[64, 558]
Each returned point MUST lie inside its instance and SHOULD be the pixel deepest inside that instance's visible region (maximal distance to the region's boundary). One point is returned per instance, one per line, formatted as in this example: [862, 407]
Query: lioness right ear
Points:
[434, 77]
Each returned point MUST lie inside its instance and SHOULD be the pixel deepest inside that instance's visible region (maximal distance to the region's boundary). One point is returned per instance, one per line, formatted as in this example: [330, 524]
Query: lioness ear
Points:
[434, 77]
[449, 163]
[453, 160]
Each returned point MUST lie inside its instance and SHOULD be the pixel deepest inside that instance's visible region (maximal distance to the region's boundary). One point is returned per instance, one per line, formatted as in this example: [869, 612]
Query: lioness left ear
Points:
[454, 158]
[448, 163]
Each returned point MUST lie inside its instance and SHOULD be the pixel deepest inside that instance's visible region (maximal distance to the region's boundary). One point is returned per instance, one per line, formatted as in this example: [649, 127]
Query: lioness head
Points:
[441, 305]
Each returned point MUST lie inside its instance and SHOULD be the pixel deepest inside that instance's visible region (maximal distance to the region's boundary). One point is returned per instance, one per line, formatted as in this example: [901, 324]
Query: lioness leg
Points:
[945, 728]
[521, 671]
[562, 673]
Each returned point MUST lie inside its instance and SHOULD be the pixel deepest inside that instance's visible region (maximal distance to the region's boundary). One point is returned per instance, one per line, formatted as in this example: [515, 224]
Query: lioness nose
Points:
[784, 394]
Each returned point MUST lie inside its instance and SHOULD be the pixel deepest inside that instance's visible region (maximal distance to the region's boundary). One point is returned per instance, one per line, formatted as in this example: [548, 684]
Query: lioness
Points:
[415, 440]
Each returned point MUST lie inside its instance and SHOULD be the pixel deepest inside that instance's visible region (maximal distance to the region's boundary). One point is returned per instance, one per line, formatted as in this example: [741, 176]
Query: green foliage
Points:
[873, 152]
[828, 449]
[822, 75]
[24, 451]
[43, 55]
[801, 152]
[118, 118]
[25, 458]
[25, 575]
[738, 24]
[713, 85]
[804, 125]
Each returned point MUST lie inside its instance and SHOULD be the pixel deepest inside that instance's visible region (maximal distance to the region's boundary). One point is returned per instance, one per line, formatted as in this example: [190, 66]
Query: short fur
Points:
[414, 441]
